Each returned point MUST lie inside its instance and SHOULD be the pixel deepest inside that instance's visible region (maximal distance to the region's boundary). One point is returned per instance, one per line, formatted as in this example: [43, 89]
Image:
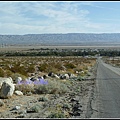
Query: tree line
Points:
[63, 52]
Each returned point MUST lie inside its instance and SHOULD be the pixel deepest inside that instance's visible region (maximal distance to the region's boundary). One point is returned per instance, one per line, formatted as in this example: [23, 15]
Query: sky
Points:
[40, 17]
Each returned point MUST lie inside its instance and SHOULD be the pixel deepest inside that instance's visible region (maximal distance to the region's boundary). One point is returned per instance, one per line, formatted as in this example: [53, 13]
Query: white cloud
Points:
[20, 29]
[57, 14]
[27, 29]
[49, 17]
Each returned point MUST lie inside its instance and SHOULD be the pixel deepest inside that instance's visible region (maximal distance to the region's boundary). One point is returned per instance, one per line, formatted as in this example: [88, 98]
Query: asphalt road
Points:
[107, 98]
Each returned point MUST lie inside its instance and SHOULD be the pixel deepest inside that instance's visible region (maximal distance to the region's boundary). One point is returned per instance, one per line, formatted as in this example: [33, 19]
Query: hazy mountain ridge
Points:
[53, 39]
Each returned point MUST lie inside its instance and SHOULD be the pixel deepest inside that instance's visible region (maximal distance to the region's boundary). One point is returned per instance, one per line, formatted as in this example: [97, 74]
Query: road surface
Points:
[106, 102]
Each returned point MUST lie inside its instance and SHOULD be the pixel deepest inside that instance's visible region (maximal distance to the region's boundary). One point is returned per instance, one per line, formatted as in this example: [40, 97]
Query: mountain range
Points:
[61, 39]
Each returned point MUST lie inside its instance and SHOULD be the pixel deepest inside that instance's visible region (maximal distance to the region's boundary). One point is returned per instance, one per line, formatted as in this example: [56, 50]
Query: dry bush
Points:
[53, 87]
[43, 67]
[8, 73]
[2, 72]
[30, 69]
[25, 88]
[14, 76]
[69, 65]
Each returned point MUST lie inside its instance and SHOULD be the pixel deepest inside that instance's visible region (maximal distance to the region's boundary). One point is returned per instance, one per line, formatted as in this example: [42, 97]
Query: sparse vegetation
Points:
[24, 66]
[64, 84]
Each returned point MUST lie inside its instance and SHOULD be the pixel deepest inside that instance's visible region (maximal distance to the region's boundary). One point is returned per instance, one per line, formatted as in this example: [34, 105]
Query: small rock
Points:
[21, 116]
[43, 99]
[17, 107]
[73, 99]
[66, 76]
[18, 92]
[44, 76]
[50, 74]
[23, 112]
[29, 93]
[79, 108]
[18, 79]
[56, 76]
[77, 98]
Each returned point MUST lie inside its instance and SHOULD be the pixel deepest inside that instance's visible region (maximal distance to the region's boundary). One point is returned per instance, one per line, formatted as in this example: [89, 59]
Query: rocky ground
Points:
[73, 104]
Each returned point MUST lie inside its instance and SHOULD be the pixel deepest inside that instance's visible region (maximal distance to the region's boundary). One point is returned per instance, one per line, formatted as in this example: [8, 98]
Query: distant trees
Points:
[62, 52]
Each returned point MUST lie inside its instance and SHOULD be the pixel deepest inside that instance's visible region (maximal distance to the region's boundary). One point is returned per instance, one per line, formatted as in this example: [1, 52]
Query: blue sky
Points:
[38, 17]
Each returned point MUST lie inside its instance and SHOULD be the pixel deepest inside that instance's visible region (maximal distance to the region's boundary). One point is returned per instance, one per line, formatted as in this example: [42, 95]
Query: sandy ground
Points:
[21, 47]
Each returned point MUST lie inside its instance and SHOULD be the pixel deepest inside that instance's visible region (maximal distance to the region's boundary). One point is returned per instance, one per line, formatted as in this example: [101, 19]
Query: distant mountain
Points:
[60, 39]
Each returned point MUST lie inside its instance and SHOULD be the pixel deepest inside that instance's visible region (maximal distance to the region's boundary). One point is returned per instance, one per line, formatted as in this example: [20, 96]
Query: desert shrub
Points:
[57, 112]
[16, 75]
[42, 99]
[85, 68]
[2, 72]
[28, 86]
[85, 71]
[59, 66]
[36, 108]
[25, 88]
[82, 74]
[43, 67]
[30, 69]
[19, 69]
[56, 115]
[70, 65]
[80, 78]
[8, 73]
[53, 87]
[41, 89]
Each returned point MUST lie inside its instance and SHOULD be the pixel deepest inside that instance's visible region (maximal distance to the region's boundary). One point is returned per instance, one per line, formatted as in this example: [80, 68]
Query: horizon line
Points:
[63, 33]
